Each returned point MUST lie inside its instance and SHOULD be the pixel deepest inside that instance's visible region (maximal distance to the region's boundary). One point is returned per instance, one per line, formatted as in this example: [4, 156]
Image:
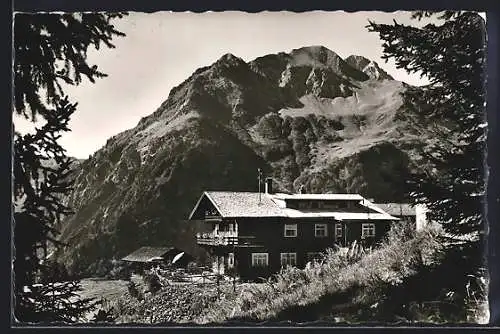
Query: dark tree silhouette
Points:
[451, 182]
[50, 51]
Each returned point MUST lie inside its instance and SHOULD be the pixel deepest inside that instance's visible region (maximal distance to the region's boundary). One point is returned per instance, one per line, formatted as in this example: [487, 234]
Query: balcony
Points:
[221, 238]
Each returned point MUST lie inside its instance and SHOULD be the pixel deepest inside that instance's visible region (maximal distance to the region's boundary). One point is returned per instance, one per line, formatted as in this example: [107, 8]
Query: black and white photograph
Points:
[234, 169]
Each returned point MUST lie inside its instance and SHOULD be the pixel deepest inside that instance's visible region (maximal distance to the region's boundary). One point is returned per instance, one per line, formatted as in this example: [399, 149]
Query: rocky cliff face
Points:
[307, 117]
[368, 67]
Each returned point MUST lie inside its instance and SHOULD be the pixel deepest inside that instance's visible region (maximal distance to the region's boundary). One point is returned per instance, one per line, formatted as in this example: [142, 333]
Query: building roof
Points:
[231, 204]
[345, 197]
[147, 254]
[243, 204]
[397, 209]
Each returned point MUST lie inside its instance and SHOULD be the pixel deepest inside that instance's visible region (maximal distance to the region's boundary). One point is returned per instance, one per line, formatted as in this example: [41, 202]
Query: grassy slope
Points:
[105, 289]
[393, 283]
[334, 286]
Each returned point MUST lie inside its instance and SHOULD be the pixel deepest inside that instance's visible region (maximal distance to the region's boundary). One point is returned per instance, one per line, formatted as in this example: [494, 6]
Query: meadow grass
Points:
[350, 278]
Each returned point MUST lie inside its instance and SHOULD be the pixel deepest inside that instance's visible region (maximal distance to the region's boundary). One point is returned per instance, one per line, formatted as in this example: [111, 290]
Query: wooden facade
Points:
[257, 246]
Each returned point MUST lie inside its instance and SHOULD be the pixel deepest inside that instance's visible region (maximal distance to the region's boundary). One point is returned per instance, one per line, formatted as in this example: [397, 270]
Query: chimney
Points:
[269, 185]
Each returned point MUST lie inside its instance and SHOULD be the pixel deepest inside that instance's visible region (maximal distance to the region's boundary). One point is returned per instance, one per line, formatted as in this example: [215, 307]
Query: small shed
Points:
[398, 209]
[147, 257]
[417, 214]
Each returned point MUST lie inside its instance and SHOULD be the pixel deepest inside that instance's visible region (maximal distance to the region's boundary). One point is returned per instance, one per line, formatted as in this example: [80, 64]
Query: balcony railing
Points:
[221, 238]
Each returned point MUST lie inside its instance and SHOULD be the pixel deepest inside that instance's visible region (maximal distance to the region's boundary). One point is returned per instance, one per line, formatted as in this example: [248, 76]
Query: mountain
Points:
[368, 67]
[307, 117]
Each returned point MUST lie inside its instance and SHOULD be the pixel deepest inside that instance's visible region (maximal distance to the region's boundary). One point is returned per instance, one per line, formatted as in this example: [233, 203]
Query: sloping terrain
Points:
[307, 117]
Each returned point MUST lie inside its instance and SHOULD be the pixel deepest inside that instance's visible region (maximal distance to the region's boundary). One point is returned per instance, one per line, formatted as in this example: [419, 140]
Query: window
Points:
[230, 260]
[260, 259]
[304, 205]
[331, 205]
[288, 259]
[290, 230]
[320, 230]
[338, 230]
[367, 230]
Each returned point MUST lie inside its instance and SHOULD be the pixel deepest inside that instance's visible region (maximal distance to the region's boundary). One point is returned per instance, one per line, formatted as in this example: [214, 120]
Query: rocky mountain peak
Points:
[315, 56]
[369, 67]
[357, 61]
[229, 60]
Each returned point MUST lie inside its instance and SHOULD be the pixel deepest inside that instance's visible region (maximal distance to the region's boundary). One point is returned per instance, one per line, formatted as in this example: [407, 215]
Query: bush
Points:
[152, 282]
[119, 270]
[134, 291]
[401, 231]
[100, 268]
[104, 316]
[231, 272]
[193, 268]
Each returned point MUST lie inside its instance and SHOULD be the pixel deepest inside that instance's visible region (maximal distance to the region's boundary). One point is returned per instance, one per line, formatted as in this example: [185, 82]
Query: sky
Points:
[163, 49]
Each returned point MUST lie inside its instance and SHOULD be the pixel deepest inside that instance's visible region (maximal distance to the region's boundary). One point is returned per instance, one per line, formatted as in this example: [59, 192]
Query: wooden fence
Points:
[195, 279]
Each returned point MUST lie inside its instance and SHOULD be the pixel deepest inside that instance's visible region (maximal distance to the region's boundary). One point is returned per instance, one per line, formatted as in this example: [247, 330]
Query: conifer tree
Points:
[451, 178]
[50, 51]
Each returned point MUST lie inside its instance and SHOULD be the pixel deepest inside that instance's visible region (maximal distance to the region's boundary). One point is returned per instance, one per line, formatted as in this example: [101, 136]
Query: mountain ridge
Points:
[367, 66]
[223, 59]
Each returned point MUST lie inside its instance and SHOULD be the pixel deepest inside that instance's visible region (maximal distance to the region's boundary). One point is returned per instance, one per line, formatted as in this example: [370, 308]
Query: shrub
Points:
[401, 231]
[232, 272]
[119, 271]
[153, 283]
[104, 316]
[193, 268]
[134, 291]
